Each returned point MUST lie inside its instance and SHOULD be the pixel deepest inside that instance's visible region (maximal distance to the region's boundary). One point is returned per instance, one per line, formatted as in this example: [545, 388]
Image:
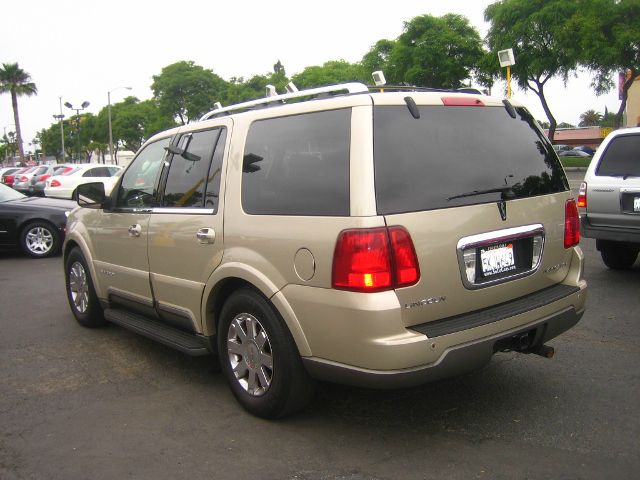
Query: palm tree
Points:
[590, 118]
[17, 82]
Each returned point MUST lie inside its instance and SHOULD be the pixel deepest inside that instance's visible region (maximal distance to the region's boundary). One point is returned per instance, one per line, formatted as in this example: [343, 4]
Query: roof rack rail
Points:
[353, 87]
[411, 88]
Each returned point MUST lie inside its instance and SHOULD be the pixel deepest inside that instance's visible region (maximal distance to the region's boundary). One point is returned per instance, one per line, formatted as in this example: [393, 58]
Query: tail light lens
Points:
[373, 260]
[571, 224]
[54, 183]
[23, 179]
[582, 196]
[42, 178]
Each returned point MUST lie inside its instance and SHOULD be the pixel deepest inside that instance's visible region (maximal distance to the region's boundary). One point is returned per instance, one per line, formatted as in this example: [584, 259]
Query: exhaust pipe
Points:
[543, 350]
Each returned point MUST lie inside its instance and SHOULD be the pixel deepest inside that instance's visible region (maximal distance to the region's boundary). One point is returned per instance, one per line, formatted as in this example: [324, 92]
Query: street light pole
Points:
[111, 157]
[60, 117]
[84, 105]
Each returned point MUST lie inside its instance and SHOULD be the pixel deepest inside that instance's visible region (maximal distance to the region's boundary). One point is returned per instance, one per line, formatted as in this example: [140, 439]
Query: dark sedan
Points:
[36, 225]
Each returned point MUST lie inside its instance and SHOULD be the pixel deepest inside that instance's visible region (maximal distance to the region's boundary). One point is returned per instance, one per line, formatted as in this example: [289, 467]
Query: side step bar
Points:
[188, 343]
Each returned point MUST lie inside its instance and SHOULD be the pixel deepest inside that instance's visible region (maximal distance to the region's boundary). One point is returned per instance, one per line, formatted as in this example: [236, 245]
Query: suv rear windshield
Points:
[621, 158]
[453, 156]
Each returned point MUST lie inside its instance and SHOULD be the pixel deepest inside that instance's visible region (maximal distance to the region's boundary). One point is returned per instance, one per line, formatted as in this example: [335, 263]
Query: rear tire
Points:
[80, 292]
[259, 358]
[618, 255]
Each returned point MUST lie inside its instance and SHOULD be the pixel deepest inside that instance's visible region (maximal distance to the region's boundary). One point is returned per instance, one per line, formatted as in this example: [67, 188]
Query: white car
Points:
[63, 186]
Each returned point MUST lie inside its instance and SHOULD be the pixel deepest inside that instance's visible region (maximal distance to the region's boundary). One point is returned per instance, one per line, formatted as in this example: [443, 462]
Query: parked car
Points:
[38, 183]
[64, 186]
[609, 199]
[22, 182]
[109, 183]
[559, 147]
[35, 225]
[585, 149]
[573, 153]
[345, 238]
[8, 178]
[7, 171]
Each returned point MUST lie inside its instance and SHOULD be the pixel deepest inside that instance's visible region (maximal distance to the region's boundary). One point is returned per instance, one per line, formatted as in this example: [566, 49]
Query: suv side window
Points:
[298, 165]
[139, 181]
[194, 179]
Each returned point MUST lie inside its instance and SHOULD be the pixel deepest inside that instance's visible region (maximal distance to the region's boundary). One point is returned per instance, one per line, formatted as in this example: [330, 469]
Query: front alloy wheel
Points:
[79, 287]
[250, 354]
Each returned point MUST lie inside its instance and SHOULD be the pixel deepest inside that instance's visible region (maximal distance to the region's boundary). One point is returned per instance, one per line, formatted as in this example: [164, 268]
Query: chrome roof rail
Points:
[353, 87]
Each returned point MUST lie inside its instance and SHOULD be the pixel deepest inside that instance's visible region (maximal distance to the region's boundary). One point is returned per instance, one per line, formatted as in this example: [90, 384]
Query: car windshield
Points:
[7, 194]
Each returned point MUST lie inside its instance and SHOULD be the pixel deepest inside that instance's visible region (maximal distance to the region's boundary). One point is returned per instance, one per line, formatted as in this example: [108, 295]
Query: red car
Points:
[8, 179]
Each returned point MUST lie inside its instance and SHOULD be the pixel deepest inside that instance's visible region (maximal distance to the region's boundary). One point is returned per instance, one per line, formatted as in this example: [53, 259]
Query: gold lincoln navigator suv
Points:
[380, 239]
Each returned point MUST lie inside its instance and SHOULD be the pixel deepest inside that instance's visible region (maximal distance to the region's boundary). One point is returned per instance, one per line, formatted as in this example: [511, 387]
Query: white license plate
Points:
[497, 259]
[636, 204]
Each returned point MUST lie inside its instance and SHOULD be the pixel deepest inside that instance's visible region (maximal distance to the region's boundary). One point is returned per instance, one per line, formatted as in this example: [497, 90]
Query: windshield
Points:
[454, 156]
[7, 194]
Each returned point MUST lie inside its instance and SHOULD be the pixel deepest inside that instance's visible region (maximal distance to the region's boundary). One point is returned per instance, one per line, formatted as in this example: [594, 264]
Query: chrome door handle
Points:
[135, 230]
[206, 235]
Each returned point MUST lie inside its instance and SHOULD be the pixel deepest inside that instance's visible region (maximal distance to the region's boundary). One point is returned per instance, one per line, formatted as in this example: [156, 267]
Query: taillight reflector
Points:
[462, 102]
[571, 224]
[55, 183]
[376, 259]
[582, 195]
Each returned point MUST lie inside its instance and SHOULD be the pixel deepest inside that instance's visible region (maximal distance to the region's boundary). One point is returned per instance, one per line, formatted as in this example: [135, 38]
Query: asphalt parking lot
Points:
[105, 404]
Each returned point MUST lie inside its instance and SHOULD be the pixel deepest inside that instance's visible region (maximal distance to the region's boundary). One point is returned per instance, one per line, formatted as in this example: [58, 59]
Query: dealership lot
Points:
[78, 403]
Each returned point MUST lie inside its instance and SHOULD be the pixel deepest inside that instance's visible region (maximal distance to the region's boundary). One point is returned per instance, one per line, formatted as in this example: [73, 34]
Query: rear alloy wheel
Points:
[39, 240]
[618, 255]
[259, 358]
[80, 292]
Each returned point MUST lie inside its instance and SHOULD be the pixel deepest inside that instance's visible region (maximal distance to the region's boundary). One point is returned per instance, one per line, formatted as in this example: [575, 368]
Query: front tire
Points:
[618, 255]
[40, 239]
[80, 291]
[259, 358]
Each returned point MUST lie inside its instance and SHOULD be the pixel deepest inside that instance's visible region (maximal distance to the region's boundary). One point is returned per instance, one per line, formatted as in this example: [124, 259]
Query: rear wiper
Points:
[506, 191]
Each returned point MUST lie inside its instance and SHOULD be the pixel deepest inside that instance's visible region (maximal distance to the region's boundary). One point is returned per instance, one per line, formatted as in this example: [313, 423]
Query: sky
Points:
[81, 49]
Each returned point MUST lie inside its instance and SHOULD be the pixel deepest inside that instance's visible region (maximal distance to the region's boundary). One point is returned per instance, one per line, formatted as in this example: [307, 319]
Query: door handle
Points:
[135, 230]
[206, 235]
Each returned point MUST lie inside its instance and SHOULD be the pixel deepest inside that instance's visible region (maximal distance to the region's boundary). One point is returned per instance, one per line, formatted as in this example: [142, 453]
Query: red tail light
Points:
[42, 178]
[462, 102]
[373, 260]
[55, 183]
[571, 224]
[23, 179]
[582, 195]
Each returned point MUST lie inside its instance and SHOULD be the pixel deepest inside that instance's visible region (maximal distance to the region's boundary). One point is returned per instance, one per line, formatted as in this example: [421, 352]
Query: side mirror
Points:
[91, 195]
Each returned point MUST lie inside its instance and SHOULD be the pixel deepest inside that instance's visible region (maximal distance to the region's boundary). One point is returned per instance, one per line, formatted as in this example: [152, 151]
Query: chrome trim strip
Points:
[498, 236]
[186, 211]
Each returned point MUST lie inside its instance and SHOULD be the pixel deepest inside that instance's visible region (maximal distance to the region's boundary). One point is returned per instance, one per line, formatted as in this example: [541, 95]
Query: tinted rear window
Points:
[298, 165]
[621, 158]
[450, 154]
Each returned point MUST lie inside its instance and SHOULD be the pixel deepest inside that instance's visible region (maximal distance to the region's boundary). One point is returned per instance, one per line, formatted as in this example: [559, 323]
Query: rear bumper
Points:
[455, 360]
[631, 235]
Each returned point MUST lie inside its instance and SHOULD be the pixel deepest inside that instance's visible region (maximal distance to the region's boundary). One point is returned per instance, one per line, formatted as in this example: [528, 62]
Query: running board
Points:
[188, 343]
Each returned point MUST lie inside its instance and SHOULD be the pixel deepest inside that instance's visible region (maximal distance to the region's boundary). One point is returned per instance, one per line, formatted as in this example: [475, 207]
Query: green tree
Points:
[17, 82]
[535, 29]
[605, 36]
[186, 91]
[439, 52]
[331, 72]
[590, 118]
[566, 125]
[379, 58]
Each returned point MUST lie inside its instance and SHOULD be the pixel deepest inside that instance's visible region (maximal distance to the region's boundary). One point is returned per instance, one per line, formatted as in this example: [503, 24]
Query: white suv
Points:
[609, 199]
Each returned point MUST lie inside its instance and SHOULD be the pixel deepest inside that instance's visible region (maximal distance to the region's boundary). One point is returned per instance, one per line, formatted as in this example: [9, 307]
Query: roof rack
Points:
[353, 87]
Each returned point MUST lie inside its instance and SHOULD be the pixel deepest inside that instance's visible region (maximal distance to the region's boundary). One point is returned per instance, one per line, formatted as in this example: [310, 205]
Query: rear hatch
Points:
[613, 190]
[483, 196]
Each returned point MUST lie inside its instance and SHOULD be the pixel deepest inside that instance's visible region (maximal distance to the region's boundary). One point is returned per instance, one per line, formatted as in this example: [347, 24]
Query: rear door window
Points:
[454, 156]
[298, 165]
[621, 158]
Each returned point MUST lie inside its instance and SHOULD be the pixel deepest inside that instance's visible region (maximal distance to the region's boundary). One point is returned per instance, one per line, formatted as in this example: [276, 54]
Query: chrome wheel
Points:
[250, 354]
[39, 240]
[79, 287]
